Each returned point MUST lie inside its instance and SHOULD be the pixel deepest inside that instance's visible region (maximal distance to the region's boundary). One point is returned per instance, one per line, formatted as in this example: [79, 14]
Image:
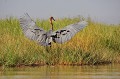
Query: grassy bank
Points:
[96, 44]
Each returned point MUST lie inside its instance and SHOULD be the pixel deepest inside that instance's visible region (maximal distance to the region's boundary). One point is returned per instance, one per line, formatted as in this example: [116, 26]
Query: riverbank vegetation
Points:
[97, 43]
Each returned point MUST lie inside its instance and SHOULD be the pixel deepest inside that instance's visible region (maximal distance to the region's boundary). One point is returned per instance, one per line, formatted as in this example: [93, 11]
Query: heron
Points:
[45, 38]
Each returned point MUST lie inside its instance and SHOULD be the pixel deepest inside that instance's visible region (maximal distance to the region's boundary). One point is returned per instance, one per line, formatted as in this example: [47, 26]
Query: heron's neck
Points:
[51, 24]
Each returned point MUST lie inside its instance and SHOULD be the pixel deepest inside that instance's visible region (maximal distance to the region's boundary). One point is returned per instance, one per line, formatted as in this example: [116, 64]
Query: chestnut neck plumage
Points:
[51, 19]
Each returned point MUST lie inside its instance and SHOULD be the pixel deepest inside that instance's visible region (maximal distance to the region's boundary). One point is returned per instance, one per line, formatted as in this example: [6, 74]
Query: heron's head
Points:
[51, 19]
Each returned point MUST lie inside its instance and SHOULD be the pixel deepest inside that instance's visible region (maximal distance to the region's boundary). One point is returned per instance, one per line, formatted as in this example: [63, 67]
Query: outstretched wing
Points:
[31, 31]
[68, 32]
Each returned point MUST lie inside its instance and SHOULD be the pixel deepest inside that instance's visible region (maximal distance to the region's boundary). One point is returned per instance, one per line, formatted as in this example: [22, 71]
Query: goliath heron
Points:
[33, 32]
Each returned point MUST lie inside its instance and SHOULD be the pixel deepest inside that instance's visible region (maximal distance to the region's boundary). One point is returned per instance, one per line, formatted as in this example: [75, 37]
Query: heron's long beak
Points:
[53, 19]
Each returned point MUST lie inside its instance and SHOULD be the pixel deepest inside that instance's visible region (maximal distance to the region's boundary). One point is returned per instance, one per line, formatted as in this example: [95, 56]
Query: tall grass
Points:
[96, 44]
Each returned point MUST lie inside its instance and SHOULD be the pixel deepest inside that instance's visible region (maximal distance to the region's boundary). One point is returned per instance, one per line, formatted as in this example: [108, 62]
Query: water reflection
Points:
[62, 72]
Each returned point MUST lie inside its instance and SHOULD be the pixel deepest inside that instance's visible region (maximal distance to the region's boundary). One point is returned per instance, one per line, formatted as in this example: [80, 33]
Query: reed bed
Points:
[97, 43]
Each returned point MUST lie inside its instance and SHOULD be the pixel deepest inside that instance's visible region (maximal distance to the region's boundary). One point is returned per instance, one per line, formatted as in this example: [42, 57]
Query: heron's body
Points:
[44, 38]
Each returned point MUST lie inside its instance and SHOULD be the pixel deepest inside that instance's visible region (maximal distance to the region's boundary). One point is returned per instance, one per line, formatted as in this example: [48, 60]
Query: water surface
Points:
[62, 72]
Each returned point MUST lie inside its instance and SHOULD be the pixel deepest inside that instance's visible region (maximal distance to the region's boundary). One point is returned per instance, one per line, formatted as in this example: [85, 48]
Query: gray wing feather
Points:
[68, 32]
[32, 31]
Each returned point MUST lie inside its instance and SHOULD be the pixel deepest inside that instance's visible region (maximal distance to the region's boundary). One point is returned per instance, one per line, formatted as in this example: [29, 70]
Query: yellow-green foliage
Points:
[97, 43]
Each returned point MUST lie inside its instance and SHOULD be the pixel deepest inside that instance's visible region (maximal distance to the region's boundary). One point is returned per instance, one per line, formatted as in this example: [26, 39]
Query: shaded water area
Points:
[111, 71]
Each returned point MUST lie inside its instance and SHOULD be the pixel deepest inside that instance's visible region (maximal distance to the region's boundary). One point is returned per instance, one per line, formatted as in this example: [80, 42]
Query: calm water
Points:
[62, 72]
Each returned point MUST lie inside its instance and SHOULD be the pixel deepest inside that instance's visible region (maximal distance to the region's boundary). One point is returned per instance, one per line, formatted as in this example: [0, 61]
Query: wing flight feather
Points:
[68, 32]
[32, 31]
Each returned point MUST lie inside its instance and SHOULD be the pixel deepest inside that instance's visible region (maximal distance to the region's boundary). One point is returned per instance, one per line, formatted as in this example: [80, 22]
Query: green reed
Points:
[97, 43]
